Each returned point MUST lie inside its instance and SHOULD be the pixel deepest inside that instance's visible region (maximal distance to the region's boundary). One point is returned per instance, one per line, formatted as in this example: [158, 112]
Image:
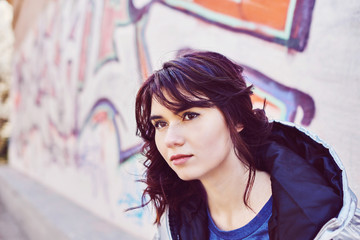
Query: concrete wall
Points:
[78, 69]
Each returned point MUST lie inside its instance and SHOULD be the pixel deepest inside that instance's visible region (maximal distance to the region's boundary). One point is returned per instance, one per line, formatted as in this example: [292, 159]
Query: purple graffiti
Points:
[290, 97]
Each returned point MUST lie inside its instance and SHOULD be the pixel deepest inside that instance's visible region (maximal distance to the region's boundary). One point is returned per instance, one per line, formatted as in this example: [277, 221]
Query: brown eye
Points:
[159, 124]
[190, 115]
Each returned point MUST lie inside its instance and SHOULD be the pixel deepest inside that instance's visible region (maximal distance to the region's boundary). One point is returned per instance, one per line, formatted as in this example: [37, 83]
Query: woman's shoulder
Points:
[311, 179]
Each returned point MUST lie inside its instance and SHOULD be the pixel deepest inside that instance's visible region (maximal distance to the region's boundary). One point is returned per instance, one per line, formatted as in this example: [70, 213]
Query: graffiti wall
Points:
[77, 72]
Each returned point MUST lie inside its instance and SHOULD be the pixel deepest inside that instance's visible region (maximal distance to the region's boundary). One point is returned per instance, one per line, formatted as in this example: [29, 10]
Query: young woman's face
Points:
[196, 143]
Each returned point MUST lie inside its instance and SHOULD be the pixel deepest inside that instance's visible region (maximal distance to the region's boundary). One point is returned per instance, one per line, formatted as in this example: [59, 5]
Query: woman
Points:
[217, 169]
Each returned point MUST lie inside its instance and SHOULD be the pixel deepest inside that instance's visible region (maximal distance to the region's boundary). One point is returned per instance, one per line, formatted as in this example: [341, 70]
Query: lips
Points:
[179, 159]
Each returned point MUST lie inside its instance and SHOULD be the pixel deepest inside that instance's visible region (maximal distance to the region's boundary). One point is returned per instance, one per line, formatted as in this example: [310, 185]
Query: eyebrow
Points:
[154, 117]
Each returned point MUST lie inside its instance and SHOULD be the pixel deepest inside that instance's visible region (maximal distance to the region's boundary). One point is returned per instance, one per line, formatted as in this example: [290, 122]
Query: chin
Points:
[187, 177]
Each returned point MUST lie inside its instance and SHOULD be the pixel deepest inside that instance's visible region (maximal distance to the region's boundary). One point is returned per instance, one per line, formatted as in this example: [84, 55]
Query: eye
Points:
[159, 124]
[190, 115]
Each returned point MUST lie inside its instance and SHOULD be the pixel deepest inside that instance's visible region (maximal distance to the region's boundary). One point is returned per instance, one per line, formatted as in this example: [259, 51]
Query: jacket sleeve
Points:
[352, 230]
[163, 230]
[346, 225]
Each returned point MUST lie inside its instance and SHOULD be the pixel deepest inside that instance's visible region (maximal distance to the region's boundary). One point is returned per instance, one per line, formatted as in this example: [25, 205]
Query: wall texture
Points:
[6, 50]
[77, 71]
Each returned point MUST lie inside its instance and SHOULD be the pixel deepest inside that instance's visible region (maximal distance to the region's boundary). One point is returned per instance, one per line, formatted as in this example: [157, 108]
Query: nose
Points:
[174, 136]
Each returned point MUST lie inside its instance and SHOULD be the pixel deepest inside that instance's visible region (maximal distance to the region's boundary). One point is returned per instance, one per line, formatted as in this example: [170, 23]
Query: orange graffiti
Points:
[269, 13]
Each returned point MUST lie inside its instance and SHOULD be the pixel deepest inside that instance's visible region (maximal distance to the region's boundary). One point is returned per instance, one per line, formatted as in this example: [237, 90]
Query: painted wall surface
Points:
[6, 50]
[77, 72]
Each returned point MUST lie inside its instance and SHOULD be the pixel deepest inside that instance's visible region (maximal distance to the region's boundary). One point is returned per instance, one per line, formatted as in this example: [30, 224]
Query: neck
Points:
[225, 194]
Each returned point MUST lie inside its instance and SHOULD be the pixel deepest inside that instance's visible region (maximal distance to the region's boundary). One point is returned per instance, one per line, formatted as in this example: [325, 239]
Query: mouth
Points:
[179, 159]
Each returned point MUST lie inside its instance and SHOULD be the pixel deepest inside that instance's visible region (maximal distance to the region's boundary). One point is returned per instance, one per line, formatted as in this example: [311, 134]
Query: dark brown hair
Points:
[197, 79]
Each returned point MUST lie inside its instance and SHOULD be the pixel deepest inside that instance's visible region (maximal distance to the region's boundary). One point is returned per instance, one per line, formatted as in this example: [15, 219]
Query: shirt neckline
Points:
[246, 230]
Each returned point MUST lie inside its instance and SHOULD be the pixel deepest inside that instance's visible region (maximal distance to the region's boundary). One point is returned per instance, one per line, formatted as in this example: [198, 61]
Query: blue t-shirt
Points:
[257, 228]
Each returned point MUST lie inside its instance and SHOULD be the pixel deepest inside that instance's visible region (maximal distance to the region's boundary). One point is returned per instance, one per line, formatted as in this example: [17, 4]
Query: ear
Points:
[239, 127]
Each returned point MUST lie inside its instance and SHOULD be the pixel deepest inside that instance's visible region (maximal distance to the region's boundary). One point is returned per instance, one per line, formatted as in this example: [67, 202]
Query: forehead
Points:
[157, 108]
[164, 104]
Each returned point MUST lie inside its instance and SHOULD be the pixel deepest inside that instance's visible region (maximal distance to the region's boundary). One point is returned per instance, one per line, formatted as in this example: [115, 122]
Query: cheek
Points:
[216, 143]
[217, 140]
